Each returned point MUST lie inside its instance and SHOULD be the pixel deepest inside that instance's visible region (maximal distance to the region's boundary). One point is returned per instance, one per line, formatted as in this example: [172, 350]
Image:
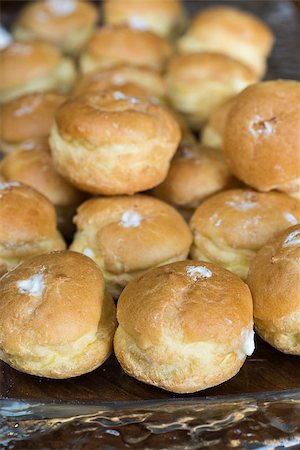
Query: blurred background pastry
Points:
[126, 236]
[57, 320]
[200, 82]
[184, 327]
[27, 225]
[212, 133]
[67, 24]
[25, 122]
[196, 172]
[274, 280]
[230, 227]
[231, 31]
[164, 17]
[120, 76]
[262, 136]
[35, 168]
[111, 145]
[33, 67]
[110, 46]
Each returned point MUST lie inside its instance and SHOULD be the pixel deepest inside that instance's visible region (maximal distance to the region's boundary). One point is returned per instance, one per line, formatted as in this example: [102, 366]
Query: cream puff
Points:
[127, 236]
[35, 168]
[196, 172]
[262, 136]
[27, 225]
[116, 78]
[200, 82]
[184, 327]
[25, 122]
[213, 131]
[67, 24]
[164, 17]
[274, 280]
[111, 144]
[110, 46]
[27, 67]
[57, 320]
[232, 32]
[230, 227]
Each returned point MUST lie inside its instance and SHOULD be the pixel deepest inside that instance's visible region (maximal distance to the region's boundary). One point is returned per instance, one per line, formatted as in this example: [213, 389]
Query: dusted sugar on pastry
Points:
[27, 67]
[233, 32]
[184, 327]
[212, 134]
[25, 122]
[67, 24]
[57, 320]
[110, 46]
[200, 82]
[274, 280]
[27, 225]
[117, 78]
[262, 136]
[196, 172]
[35, 168]
[230, 227]
[107, 144]
[164, 17]
[126, 236]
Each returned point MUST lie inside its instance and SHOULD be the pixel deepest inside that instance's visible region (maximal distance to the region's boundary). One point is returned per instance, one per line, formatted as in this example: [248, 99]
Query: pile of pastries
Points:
[149, 195]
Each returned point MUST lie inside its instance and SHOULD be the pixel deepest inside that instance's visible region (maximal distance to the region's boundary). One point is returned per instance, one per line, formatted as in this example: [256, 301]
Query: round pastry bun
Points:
[164, 17]
[233, 32]
[196, 172]
[117, 77]
[26, 121]
[107, 144]
[274, 280]
[57, 320]
[261, 140]
[126, 236]
[67, 24]
[33, 67]
[110, 46]
[200, 82]
[230, 227]
[212, 134]
[27, 225]
[184, 327]
[35, 168]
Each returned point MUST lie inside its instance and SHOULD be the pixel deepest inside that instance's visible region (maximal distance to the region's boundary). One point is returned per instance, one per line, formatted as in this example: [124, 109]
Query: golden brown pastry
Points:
[35, 168]
[27, 67]
[126, 236]
[213, 132]
[57, 320]
[110, 46]
[184, 327]
[230, 227]
[196, 172]
[164, 17]
[67, 24]
[200, 82]
[274, 280]
[233, 32]
[112, 144]
[262, 136]
[25, 122]
[27, 225]
[117, 77]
